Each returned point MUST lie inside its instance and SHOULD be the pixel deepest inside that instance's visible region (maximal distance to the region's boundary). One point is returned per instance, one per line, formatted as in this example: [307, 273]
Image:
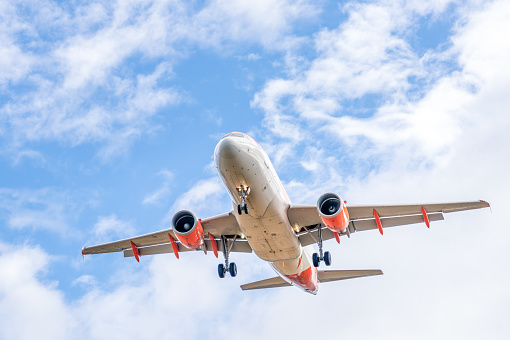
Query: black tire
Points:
[315, 259]
[232, 269]
[327, 258]
[246, 210]
[221, 270]
[239, 209]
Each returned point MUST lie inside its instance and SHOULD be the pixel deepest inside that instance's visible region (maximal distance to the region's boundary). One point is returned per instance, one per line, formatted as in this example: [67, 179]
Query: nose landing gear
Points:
[244, 191]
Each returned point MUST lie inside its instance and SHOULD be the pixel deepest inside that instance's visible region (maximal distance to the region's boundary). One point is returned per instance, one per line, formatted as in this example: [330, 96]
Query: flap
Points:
[239, 246]
[337, 275]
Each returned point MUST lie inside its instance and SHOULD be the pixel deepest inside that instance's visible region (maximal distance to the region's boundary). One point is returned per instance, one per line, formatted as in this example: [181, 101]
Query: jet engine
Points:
[188, 229]
[333, 212]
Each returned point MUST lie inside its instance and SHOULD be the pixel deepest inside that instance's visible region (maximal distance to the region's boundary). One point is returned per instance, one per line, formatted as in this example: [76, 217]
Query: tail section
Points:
[324, 276]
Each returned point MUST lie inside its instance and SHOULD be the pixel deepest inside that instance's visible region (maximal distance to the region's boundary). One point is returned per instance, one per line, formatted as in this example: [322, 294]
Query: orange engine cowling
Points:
[188, 229]
[333, 212]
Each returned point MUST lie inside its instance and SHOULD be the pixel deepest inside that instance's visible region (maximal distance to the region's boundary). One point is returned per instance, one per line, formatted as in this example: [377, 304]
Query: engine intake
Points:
[188, 229]
[333, 212]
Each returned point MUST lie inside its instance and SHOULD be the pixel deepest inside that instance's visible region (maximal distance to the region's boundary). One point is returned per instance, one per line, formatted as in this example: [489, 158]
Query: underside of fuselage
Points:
[251, 180]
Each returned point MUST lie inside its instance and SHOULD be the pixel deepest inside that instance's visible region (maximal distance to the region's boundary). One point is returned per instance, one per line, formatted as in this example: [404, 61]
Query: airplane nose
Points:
[228, 149]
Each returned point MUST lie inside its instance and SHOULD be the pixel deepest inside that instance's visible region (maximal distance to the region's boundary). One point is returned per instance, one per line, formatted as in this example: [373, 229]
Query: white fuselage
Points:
[241, 162]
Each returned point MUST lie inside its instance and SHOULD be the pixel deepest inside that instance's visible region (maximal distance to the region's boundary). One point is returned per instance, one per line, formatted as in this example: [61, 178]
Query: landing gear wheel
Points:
[246, 210]
[232, 269]
[327, 258]
[239, 209]
[315, 258]
[221, 270]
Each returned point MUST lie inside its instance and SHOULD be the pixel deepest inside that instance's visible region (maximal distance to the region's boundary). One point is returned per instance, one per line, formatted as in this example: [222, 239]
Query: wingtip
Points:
[487, 205]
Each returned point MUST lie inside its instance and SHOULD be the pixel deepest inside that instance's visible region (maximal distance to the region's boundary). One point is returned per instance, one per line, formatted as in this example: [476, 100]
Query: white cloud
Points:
[203, 197]
[265, 22]
[363, 55]
[110, 227]
[85, 280]
[42, 209]
[29, 308]
[81, 90]
[138, 307]
[163, 191]
[15, 62]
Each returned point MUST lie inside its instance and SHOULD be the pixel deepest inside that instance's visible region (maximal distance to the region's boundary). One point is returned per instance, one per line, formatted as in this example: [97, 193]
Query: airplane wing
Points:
[159, 242]
[306, 220]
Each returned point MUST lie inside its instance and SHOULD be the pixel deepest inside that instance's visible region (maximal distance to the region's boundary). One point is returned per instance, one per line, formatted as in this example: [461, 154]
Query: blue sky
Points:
[109, 115]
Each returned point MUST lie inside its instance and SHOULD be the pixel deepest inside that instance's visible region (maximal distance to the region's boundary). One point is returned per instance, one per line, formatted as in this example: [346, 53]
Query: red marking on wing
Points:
[378, 221]
[175, 248]
[337, 237]
[214, 245]
[135, 251]
[425, 217]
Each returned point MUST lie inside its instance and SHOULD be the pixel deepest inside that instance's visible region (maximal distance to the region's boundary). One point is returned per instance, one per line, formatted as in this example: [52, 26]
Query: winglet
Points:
[487, 204]
[83, 253]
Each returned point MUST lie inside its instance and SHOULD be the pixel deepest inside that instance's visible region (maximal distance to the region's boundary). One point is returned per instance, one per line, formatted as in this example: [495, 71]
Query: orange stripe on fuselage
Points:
[306, 280]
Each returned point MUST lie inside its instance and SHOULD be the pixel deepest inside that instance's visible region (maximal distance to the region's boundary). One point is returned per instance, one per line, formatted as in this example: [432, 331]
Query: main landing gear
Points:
[244, 191]
[227, 267]
[317, 258]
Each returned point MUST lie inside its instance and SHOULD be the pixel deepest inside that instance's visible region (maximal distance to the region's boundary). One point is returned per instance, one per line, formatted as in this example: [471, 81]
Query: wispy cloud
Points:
[108, 228]
[368, 58]
[156, 196]
[203, 197]
[43, 209]
[86, 86]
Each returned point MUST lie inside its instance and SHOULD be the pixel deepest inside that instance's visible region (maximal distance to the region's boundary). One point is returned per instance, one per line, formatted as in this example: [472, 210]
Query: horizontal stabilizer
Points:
[273, 282]
[324, 276]
[336, 275]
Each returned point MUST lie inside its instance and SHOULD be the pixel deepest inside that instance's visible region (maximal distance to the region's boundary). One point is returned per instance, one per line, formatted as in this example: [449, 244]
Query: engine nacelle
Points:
[333, 212]
[188, 229]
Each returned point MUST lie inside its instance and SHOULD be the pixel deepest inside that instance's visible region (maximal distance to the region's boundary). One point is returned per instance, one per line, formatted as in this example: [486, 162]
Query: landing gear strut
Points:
[244, 191]
[317, 258]
[227, 267]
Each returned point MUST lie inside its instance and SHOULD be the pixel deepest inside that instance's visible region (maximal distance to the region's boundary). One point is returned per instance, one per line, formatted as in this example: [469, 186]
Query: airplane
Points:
[264, 221]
